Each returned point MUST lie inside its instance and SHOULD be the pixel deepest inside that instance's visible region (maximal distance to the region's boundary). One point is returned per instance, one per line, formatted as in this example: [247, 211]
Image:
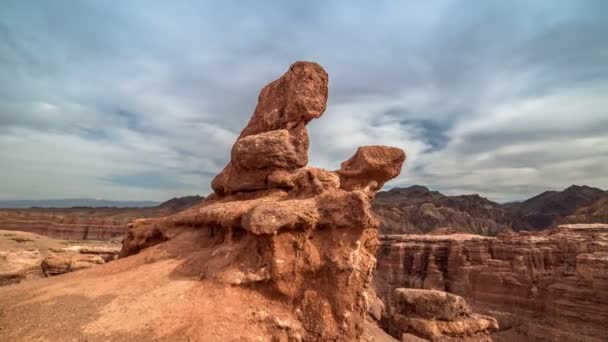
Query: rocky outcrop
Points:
[86, 223]
[431, 315]
[549, 284]
[300, 233]
[280, 252]
[68, 262]
[17, 266]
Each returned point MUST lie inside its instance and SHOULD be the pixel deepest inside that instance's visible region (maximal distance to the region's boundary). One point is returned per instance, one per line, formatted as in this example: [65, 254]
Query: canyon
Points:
[541, 286]
[411, 210]
[86, 223]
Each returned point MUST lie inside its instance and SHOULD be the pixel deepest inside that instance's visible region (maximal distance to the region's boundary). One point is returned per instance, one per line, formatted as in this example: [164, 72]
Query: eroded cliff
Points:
[83, 223]
[550, 285]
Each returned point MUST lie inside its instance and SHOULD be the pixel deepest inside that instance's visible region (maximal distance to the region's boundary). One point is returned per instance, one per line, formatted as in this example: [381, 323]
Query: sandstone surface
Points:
[432, 315]
[549, 285]
[281, 251]
[27, 256]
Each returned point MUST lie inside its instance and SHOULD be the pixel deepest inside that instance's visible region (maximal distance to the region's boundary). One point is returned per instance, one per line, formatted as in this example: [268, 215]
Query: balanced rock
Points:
[303, 235]
[276, 138]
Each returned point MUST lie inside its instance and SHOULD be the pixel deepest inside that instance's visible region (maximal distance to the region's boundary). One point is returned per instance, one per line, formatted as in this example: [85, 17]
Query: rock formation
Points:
[302, 233]
[17, 266]
[82, 223]
[281, 251]
[551, 285]
[431, 315]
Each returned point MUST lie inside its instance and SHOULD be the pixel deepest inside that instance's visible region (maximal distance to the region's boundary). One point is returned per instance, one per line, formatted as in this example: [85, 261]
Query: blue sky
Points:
[142, 100]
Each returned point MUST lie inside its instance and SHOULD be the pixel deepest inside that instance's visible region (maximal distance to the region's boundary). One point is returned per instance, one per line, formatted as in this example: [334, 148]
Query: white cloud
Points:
[504, 99]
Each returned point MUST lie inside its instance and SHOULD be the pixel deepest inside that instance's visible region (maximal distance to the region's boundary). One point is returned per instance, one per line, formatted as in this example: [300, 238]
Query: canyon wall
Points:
[550, 285]
[86, 223]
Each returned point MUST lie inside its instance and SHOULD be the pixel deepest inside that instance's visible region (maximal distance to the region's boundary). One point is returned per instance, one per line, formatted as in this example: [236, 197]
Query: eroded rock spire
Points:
[301, 235]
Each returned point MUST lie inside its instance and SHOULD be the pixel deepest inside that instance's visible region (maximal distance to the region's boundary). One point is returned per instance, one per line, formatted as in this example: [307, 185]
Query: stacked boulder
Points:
[301, 235]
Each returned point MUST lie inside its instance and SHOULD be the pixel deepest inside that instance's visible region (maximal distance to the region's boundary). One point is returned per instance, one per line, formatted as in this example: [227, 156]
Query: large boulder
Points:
[275, 138]
[431, 304]
[56, 264]
[436, 316]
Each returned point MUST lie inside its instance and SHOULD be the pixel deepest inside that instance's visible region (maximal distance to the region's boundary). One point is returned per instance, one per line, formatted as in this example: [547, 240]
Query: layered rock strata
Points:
[550, 284]
[82, 223]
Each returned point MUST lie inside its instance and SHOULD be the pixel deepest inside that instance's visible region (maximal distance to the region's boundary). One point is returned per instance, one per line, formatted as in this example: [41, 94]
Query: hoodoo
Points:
[280, 251]
[300, 234]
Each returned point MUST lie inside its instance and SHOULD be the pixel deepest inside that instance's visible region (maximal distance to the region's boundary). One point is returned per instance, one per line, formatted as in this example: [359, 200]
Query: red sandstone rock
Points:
[304, 234]
[371, 163]
[280, 248]
[16, 266]
[436, 316]
[559, 274]
[68, 262]
[275, 138]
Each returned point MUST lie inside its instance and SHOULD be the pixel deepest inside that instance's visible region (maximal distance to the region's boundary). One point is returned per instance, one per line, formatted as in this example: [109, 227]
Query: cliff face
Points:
[280, 252]
[86, 223]
[551, 284]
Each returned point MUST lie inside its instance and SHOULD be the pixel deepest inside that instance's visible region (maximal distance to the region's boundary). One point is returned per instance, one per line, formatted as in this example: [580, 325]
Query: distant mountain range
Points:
[416, 209]
[75, 202]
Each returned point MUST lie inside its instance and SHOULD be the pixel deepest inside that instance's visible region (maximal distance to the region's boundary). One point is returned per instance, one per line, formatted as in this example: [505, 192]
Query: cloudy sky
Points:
[141, 100]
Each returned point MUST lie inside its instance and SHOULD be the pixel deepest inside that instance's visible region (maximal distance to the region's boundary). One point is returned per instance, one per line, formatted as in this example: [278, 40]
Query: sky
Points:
[142, 100]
